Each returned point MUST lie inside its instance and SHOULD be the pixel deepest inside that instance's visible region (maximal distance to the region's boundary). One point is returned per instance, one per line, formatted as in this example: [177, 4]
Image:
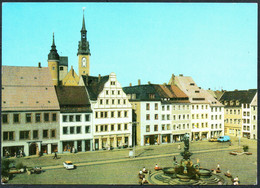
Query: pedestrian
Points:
[55, 156]
[21, 153]
[73, 149]
[174, 158]
[218, 167]
[229, 142]
[179, 147]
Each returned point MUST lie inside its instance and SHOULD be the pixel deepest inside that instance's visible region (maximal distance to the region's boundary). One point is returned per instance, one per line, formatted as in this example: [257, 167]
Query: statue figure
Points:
[186, 142]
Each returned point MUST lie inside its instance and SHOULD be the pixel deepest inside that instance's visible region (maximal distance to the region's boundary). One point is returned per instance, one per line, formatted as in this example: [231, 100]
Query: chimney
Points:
[39, 65]
[72, 70]
[149, 82]
[99, 77]
[130, 84]
[199, 87]
[209, 89]
[139, 82]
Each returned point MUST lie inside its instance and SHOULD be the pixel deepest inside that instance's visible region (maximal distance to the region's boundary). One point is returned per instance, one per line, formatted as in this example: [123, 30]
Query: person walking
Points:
[55, 156]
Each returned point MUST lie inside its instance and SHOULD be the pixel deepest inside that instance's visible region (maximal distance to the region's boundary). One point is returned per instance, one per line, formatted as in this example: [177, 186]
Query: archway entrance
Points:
[33, 149]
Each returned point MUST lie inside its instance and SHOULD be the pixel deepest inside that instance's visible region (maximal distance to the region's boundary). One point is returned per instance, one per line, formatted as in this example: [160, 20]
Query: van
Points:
[223, 139]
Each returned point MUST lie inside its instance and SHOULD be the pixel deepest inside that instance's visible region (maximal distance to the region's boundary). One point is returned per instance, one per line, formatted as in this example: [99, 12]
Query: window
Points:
[230, 111]
[163, 117]
[147, 116]
[163, 108]
[96, 128]
[105, 114]
[5, 118]
[219, 116]
[119, 114]
[156, 116]
[155, 127]
[35, 134]
[87, 117]
[61, 68]
[45, 133]
[126, 114]
[248, 113]
[183, 126]
[96, 114]
[168, 107]
[216, 126]
[65, 130]
[188, 116]
[163, 127]
[206, 116]
[248, 121]
[192, 116]
[46, 117]
[212, 126]
[192, 107]
[202, 125]
[112, 114]
[216, 117]
[101, 101]
[238, 112]
[72, 130]
[113, 92]
[53, 133]
[118, 101]
[112, 127]
[197, 116]
[235, 112]
[119, 127]
[202, 116]
[65, 118]
[231, 121]
[126, 127]
[147, 106]
[28, 118]
[101, 114]
[78, 129]
[71, 118]
[113, 83]
[174, 117]
[168, 127]
[107, 101]
[87, 129]
[253, 127]
[197, 106]
[168, 116]
[220, 126]
[179, 116]
[235, 121]
[8, 136]
[188, 126]
[174, 127]
[202, 106]
[16, 118]
[78, 118]
[151, 96]
[207, 124]
[113, 101]
[212, 117]
[54, 117]
[124, 101]
[156, 106]
[106, 92]
[118, 92]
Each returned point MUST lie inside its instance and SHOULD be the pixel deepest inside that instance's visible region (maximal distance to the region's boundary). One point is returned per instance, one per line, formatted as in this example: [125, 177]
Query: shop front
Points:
[67, 146]
[195, 136]
[166, 138]
[151, 139]
[246, 135]
[204, 135]
[12, 151]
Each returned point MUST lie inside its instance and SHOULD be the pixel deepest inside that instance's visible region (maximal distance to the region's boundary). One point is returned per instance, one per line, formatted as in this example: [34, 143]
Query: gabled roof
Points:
[164, 93]
[73, 99]
[27, 89]
[94, 85]
[243, 96]
[195, 93]
[71, 79]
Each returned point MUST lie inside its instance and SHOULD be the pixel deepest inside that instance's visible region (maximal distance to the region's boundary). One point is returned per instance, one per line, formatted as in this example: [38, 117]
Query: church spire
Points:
[53, 55]
[83, 47]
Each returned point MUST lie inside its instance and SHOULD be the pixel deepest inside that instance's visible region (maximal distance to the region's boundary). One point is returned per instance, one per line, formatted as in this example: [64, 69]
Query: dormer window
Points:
[151, 96]
[197, 91]
[237, 102]
[192, 84]
[231, 102]
[225, 103]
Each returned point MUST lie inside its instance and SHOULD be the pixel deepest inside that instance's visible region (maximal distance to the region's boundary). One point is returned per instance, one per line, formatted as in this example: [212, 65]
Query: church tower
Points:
[83, 51]
[53, 63]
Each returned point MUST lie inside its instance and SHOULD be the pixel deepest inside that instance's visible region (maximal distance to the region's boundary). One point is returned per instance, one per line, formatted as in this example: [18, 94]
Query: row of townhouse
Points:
[240, 113]
[40, 117]
[164, 113]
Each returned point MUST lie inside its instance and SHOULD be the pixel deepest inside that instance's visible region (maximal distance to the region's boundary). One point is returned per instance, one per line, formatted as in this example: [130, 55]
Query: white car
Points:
[68, 165]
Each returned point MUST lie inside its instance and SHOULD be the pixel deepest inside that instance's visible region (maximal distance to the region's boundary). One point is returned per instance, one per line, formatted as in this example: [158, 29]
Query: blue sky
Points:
[214, 43]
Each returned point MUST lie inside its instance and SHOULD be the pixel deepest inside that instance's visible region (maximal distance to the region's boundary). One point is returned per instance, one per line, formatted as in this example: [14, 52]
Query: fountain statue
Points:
[185, 172]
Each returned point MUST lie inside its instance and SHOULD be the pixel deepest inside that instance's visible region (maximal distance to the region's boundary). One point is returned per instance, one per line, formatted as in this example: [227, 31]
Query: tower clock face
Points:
[84, 62]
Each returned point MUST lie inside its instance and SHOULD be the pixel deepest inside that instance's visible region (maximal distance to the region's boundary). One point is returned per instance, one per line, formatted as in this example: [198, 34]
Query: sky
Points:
[214, 43]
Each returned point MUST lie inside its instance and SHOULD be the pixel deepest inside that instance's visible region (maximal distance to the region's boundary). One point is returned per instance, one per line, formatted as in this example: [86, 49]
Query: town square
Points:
[129, 94]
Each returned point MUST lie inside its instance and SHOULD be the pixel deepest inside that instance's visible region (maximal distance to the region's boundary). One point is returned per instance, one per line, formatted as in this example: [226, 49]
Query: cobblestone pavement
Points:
[115, 167]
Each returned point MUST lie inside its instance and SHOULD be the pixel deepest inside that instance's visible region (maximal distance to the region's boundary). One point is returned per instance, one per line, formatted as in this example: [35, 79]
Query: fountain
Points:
[185, 172]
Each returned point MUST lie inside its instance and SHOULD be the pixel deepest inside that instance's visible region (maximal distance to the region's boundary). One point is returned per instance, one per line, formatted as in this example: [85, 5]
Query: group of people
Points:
[19, 153]
[141, 175]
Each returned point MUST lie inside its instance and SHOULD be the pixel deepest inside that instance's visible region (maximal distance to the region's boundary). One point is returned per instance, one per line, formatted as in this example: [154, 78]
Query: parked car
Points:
[223, 139]
[68, 165]
[213, 139]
